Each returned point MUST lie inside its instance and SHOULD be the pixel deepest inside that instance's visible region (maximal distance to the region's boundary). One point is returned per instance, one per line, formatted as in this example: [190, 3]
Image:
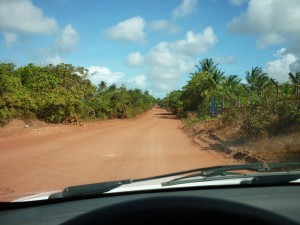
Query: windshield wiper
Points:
[219, 172]
[89, 189]
[205, 174]
[272, 179]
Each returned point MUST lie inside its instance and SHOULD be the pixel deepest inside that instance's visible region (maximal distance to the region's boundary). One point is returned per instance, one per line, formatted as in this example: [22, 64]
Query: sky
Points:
[152, 44]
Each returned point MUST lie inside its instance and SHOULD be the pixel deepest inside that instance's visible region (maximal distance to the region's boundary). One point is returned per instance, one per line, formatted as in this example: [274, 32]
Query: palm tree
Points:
[257, 79]
[297, 76]
[262, 82]
[230, 84]
[212, 85]
[215, 79]
[205, 82]
[112, 87]
[207, 65]
[212, 76]
[295, 80]
[285, 89]
[102, 86]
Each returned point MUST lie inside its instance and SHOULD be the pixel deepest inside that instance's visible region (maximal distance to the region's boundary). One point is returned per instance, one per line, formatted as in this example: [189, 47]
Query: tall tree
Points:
[204, 83]
[102, 86]
[231, 82]
[207, 65]
[257, 80]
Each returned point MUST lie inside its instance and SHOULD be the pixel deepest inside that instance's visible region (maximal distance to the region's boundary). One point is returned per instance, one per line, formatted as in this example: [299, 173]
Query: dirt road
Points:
[59, 156]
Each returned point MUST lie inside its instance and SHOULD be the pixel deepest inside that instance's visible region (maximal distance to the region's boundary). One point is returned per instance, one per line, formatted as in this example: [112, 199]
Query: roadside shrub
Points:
[5, 115]
[288, 111]
[257, 120]
[191, 120]
[288, 116]
[56, 106]
[231, 116]
[203, 109]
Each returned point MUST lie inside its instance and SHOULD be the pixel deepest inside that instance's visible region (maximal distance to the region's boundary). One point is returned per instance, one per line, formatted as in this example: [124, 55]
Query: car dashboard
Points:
[282, 200]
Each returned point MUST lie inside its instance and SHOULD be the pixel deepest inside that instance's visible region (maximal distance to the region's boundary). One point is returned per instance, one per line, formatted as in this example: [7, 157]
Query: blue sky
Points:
[152, 44]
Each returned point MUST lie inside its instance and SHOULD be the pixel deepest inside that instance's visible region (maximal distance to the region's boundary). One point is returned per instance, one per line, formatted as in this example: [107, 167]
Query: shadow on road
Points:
[167, 115]
[164, 114]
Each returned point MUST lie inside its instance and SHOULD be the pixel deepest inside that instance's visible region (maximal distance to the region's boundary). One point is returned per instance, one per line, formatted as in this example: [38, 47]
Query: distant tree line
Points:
[53, 93]
[262, 103]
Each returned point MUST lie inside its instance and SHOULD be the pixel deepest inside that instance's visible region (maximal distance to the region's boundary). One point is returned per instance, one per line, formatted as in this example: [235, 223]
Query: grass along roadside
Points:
[231, 140]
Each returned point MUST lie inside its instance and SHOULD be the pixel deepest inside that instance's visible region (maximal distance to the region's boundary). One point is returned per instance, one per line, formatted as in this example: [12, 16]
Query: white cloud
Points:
[185, 8]
[23, 16]
[161, 25]
[162, 55]
[67, 39]
[54, 60]
[237, 2]
[98, 74]
[273, 21]
[295, 66]
[165, 79]
[134, 59]
[196, 43]
[169, 62]
[225, 60]
[66, 42]
[9, 38]
[279, 68]
[166, 67]
[131, 30]
[166, 64]
[138, 81]
[269, 39]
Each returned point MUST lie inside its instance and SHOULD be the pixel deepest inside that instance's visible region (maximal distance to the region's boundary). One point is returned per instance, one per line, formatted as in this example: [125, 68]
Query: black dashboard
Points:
[283, 201]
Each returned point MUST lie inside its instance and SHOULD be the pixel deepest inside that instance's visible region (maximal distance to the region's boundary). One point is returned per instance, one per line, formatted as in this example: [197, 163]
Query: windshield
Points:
[99, 91]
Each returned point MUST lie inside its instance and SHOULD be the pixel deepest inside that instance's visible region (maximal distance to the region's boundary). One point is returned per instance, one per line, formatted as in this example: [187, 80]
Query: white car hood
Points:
[154, 184]
[40, 196]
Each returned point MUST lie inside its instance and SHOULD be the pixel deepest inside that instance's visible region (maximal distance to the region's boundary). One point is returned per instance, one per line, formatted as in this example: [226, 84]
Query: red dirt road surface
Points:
[57, 156]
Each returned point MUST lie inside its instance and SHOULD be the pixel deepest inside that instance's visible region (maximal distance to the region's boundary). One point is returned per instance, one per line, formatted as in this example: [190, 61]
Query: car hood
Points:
[155, 184]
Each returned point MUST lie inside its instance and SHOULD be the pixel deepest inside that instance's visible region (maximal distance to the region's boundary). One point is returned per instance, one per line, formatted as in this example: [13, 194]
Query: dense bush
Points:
[257, 120]
[55, 93]
[271, 117]
[174, 103]
[256, 106]
[288, 111]
[231, 116]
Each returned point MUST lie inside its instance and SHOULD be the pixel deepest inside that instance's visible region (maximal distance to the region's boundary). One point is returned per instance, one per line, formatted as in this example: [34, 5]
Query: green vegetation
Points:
[56, 93]
[260, 107]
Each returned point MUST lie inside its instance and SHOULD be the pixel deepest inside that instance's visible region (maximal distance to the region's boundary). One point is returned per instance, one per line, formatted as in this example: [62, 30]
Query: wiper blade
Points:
[273, 179]
[89, 189]
[208, 172]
